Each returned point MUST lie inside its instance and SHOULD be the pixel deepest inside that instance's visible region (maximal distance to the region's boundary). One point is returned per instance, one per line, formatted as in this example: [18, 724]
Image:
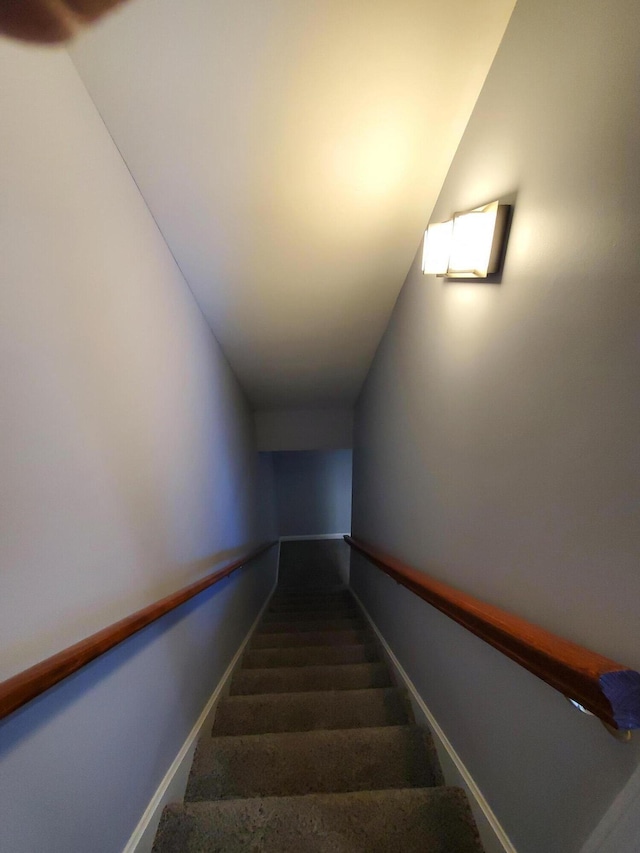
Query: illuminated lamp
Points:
[437, 248]
[477, 241]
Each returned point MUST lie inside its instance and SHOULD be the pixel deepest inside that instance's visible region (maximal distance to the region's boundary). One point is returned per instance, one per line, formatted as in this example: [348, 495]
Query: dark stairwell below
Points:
[315, 748]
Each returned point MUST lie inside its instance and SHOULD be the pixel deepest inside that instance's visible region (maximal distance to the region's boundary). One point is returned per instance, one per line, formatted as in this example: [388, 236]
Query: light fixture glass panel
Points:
[437, 245]
[474, 253]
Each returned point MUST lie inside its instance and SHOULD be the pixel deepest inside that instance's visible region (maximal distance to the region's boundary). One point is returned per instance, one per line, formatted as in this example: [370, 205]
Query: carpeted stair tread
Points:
[275, 640]
[314, 749]
[311, 656]
[321, 761]
[297, 679]
[310, 625]
[302, 605]
[343, 611]
[412, 820]
[303, 712]
[308, 593]
[301, 591]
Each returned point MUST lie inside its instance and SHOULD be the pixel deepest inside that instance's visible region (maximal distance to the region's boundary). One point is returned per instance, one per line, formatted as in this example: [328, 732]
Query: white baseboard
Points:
[174, 784]
[493, 836]
[314, 536]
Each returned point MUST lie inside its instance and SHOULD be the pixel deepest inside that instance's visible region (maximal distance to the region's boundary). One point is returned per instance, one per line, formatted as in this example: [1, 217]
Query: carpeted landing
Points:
[315, 750]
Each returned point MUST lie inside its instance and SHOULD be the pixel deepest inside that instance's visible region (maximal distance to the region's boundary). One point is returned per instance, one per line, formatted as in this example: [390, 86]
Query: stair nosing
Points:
[288, 634]
[291, 693]
[368, 647]
[202, 804]
[214, 740]
[282, 674]
[312, 665]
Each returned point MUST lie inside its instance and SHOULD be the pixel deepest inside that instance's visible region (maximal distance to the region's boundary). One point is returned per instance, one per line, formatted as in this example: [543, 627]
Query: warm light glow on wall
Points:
[437, 248]
[469, 246]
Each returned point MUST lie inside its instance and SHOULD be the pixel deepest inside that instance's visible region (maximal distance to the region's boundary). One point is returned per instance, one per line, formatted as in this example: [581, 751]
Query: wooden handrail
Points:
[607, 689]
[26, 685]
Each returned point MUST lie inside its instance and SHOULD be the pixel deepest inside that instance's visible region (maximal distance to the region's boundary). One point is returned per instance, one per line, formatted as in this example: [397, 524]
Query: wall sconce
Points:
[471, 245]
[437, 248]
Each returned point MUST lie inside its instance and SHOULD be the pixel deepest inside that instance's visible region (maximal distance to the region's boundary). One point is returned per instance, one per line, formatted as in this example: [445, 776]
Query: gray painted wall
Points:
[496, 439]
[127, 470]
[313, 492]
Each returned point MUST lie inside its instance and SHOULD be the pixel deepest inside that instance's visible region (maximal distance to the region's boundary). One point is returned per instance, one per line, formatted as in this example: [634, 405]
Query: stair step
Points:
[298, 679]
[294, 763]
[310, 638]
[303, 712]
[311, 656]
[309, 598]
[303, 593]
[305, 590]
[310, 625]
[311, 613]
[413, 820]
[312, 602]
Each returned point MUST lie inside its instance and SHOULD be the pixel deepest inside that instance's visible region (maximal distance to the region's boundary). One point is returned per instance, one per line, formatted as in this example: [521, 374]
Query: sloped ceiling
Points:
[291, 152]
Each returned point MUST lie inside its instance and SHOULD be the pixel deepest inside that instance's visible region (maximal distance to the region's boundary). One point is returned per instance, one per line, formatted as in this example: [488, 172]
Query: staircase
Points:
[315, 749]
